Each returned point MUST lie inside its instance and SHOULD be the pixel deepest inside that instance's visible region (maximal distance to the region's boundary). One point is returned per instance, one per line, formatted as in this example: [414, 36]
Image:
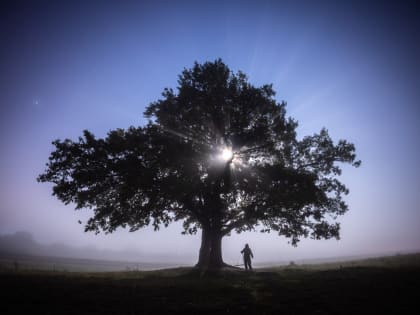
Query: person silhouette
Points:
[247, 252]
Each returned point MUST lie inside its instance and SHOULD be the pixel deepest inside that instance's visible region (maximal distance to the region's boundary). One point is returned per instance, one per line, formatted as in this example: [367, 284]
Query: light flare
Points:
[227, 154]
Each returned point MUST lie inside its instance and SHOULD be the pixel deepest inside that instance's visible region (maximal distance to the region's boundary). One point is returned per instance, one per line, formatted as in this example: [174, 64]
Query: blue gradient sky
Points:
[353, 68]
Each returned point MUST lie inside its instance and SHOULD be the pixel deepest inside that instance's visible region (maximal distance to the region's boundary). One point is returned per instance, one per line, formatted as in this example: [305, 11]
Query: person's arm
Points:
[252, 255]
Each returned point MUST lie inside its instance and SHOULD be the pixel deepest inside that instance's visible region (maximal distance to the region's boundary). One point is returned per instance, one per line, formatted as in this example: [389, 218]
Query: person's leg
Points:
[247, 264]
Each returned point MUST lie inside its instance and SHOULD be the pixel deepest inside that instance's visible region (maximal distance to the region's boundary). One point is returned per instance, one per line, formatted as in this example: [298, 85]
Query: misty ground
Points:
[373, 286]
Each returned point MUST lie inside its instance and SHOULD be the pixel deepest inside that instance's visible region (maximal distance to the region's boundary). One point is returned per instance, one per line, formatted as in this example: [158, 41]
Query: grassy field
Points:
[373, 286]
[49, 263]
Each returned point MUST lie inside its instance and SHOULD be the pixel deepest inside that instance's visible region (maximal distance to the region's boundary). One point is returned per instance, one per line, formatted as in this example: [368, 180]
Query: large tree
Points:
[219, 154]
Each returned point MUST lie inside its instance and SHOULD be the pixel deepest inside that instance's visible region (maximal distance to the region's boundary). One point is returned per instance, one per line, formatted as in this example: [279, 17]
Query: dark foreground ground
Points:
[387, 285]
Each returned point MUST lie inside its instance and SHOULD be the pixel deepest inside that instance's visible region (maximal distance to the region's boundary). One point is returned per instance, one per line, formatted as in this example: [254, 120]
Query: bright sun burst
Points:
[226, 154]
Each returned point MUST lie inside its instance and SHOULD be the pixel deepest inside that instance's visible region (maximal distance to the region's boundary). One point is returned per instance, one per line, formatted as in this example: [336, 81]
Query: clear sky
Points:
[350, 66]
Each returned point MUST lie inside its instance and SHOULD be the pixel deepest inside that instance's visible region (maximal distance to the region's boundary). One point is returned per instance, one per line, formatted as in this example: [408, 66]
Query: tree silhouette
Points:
[219, 155]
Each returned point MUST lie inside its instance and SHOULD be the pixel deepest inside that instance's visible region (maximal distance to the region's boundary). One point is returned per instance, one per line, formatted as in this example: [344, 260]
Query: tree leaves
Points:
[168, 170]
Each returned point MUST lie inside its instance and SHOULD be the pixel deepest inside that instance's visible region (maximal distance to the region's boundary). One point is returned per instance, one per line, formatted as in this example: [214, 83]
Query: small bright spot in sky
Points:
[226, 154]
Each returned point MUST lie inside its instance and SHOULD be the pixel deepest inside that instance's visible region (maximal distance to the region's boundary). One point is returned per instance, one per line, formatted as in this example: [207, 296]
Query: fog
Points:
[353, 68]
[23, 243]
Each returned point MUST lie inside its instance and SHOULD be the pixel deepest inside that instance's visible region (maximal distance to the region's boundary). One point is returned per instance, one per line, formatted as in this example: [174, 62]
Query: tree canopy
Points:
[218, 154]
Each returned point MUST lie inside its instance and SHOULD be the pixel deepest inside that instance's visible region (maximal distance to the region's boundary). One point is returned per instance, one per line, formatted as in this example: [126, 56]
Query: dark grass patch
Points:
[352, 290]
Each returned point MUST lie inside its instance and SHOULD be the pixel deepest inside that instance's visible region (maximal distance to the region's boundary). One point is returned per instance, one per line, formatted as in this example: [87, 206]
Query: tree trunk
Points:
[216, 260]
[210, 256]
[204, 254]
